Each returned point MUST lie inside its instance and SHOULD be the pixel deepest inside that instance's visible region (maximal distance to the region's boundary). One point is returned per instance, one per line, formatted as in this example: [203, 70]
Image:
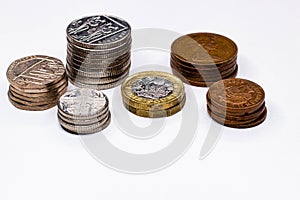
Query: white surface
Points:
[39, 161]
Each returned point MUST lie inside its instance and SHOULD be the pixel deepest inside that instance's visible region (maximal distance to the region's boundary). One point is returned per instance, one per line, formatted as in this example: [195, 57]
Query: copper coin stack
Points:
[200, 59]
[98, 54]
[37, 82]
[84, 111]
[236, 103]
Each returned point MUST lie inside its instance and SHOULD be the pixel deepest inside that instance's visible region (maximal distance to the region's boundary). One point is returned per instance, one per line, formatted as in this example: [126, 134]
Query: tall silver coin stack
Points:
[98, 54]
[84, 111]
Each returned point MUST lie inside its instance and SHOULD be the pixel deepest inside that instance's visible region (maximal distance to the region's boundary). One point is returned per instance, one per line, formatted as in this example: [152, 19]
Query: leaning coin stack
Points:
[200, 59]
[98, 54]
[236, 103]
[83, 111]
[153, 94]
[36, 82]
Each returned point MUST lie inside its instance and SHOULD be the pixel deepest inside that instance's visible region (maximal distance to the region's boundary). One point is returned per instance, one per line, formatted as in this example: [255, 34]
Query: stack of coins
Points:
[200, 59]
[83, 111]
[36, 82]
[98, 54]
[153, 94]
[236, 103]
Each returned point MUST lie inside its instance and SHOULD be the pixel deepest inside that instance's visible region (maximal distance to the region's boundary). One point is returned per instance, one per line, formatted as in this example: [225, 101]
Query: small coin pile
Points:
[200, 59]
[84, 111]
[236, 103]
[36, 82]
[153, 94]
[98, 52]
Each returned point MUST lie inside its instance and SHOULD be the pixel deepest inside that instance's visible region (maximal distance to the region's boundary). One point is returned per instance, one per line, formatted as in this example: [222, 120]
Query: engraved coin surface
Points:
[83, 102]
[236, 94]
[204, 48]
[152, 87]
[35, 72]
[97, 30]
[153, 94]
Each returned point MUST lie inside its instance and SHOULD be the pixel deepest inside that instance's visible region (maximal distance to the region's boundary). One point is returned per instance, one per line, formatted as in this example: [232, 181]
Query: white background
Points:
[40, 161]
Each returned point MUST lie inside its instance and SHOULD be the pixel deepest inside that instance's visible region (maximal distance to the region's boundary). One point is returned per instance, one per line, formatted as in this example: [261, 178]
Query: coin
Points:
[157, 113]
[35, 72]
[237, 103]
[238, 95]
[83, 111]
[200, 59]
[204, 48]
[98, 31]
[98, 51]
[152, 90]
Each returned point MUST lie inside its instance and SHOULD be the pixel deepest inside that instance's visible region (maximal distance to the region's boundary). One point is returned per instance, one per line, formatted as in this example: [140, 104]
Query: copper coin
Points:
[32, 108]
[236, 95]
[203, 83]
[35, 72]
[204, 48]
[235, 124]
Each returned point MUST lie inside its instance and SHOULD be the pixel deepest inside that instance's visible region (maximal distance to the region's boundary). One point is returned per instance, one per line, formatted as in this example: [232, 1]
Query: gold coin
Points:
[157, 113]
[152, 90]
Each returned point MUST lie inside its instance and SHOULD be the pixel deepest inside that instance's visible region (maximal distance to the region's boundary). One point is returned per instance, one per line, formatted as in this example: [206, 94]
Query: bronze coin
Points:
[205, 75]
[204, 48]
[32, 108]
[35, 72]
[203, 83]
[234, 116]
[234, 124]
[236, 95]
[45, 89]
[47, 98]
[190, 66]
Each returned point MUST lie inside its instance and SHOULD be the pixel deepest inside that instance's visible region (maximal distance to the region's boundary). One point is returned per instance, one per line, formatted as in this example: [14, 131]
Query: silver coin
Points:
[101, 30]
[101, 72]
[96, 86]
[82, 102]
[83, 130]
[96, 81]
[83, 122]
[100, 51]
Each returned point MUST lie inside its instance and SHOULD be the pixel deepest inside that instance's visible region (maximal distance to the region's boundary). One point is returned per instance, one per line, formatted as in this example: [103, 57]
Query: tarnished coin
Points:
[152, 90]
[204, 48]
[101, 31]
[35, 72]
[237, 95]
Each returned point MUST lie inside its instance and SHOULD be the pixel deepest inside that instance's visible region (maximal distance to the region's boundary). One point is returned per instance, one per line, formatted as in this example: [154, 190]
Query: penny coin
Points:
[35, 72]
[204, 48]
[237, 95]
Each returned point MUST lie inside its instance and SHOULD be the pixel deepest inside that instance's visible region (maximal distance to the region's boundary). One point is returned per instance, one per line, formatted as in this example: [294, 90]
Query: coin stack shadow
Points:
[84, 111]
[236, 103]
[36, 82]
[98, 52]
[153, 94]
[200, 59]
